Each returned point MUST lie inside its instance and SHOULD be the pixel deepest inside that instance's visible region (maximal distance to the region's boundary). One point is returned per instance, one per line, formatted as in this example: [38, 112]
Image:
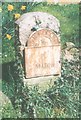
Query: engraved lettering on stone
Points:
[42, 54]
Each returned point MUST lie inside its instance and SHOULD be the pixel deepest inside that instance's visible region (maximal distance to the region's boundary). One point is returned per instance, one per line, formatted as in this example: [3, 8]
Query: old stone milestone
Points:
[39, 37]
[42, 54]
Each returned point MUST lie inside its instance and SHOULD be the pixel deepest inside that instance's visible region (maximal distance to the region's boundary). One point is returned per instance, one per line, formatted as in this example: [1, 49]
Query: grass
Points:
[68, 16]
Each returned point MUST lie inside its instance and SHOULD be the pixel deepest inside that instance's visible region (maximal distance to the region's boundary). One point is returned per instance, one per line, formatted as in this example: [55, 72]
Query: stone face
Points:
[69, 45]
[28, 20]
[3, 99]
[70, 51]
[42, 54]
[39, 38]
[6, 107]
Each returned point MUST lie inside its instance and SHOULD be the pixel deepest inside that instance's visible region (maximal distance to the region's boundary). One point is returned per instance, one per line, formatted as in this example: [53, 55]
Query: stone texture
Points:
[70, 51]
[42, 54]
[3, 99]
[69, 45]
[43, 83]
[28, 20]
[6, 107]
[39, 34]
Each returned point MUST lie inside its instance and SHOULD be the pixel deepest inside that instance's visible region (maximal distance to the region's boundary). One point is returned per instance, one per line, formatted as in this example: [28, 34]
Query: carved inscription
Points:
[42, 38]
[42, 54]
[42, 61]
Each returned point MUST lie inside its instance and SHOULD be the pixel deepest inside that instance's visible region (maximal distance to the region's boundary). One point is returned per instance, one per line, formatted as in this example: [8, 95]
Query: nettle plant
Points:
[61, 100]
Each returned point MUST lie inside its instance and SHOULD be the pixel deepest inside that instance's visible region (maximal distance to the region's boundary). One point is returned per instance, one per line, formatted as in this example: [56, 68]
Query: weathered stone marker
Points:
[40, 40]
[42, 54]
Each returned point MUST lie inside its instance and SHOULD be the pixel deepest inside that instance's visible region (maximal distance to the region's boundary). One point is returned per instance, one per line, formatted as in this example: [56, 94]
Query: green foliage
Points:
[59, 101]
[8, 111]
[68, 16]
[8, 27]
[62, 99]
